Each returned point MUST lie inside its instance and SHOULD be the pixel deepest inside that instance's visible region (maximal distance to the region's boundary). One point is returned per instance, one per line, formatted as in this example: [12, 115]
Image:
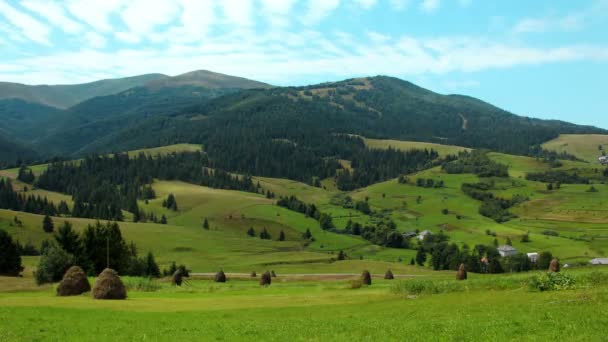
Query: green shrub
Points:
[551, 281]
[423, 286]
[53, 264]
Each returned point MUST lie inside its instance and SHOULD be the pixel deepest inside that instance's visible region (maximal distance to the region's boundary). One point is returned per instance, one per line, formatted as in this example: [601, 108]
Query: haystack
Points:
[462, 273]
[177, 278]
[554, 266]
[109, 286]
[366, 278]
[74, 283]
[265, 279]
[389, 275]
[220, 277]
[253, 274]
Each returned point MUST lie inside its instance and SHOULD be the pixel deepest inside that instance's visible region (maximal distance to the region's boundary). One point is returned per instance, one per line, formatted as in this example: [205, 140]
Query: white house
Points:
[603, 159]
[424, 234]
[506, 251]
[599, 261]
[532, 256]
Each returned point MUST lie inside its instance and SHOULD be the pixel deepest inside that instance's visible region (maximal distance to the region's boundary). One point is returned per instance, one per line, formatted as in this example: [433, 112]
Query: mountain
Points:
[64, 96]
[207, 79]
[11, 152]
[278, 132]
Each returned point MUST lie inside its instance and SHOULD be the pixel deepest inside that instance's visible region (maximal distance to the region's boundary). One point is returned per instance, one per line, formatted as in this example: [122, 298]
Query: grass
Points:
[443, 150]
[584, 146]
[486, 307]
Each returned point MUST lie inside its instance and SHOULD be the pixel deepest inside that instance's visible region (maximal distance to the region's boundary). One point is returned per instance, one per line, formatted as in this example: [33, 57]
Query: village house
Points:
[532, 256]
[424, 234]
[506, 251]
[409, 235]
[603, 159]
[599, 261]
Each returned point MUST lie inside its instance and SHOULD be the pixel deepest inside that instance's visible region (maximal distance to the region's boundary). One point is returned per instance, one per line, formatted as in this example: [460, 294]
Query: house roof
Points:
[531, 254]
[599, 261]
[425, 232]
[506, 248]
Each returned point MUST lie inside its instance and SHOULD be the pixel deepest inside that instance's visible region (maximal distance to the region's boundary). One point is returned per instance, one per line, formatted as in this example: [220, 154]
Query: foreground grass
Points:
[330, 310]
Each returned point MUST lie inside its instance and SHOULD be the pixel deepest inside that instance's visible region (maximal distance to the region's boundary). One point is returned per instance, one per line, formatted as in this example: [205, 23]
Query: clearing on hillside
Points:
[584, 146]
[409, 145]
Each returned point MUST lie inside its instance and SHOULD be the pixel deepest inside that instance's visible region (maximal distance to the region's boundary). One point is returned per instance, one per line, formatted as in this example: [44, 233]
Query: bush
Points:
[53, 264]
[10, 260]
[109, 286]
[253, 274]
[551, 281]
[366, 278]
[74, 283]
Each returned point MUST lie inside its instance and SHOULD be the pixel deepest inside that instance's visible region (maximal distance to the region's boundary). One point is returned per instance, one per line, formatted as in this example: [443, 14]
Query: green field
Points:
[409, 145]
[485, 307]
[584, 146]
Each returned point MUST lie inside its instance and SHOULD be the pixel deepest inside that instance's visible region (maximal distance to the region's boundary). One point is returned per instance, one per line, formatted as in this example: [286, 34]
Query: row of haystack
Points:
[107, 286]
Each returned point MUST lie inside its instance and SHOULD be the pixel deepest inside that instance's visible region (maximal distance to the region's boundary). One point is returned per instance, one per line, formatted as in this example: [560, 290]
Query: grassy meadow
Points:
[485, 307]
[584, 146]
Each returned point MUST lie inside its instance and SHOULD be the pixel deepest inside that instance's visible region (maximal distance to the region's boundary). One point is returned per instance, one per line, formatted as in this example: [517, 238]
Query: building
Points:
[506, 251]
[603, 160]
[599, 261]
[424, 234]
[532, 256]
[409, 235]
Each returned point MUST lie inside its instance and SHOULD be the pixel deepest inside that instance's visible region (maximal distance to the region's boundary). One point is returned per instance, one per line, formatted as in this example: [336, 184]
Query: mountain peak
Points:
[207, 79]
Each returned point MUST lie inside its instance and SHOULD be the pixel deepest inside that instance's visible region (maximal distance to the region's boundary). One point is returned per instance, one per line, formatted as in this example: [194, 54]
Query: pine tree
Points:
[151, 269]
[251, 232]
[282, 236]
[308, 234]
[10, 260]
[163, 219]
[68, 239]
[206, 224]
[341, 255]
[47, 224]
[420, 256]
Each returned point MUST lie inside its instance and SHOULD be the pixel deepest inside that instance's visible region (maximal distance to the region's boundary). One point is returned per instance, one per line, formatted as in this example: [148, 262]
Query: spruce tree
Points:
[163, 220]
[206, 224]
[151, 269]
[10, 260]
[282, 236]
[251, 232]
[47, 224]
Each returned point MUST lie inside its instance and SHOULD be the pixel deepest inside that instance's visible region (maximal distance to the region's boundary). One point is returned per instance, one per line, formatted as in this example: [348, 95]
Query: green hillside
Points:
[587, 147]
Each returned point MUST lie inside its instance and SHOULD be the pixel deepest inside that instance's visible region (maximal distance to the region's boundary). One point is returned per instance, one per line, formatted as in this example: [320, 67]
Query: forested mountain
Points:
[275, 131]
[10, 152]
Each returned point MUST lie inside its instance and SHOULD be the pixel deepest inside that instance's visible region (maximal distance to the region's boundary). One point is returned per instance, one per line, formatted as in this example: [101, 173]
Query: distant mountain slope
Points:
[64, 96]
[207, 79]
[27, 121]
[10, 152]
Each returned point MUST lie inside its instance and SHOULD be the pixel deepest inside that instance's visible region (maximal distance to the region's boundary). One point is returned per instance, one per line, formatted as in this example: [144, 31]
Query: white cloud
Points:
[29, 27]
[318, 10]
[54, 14]
[142, 16]
[399, 5]
[96, 13]
[237, 12]
[366, 4]
[128, 37]
[430, 5]
[276, 11]
[568, 23]
[95, 40]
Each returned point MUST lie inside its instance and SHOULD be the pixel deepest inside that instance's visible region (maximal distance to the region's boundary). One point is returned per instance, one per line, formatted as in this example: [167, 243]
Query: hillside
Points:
[11, 151]
[587, 147]
[64, 96]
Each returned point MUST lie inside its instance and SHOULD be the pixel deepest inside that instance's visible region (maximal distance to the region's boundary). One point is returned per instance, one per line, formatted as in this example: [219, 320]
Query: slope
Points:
[585, 146]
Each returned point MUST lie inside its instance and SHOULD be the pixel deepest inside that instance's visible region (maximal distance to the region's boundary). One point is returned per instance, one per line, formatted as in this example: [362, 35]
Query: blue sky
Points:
[546, 59]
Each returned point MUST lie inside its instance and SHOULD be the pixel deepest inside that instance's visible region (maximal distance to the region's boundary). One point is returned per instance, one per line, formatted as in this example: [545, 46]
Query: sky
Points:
[541, 58]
